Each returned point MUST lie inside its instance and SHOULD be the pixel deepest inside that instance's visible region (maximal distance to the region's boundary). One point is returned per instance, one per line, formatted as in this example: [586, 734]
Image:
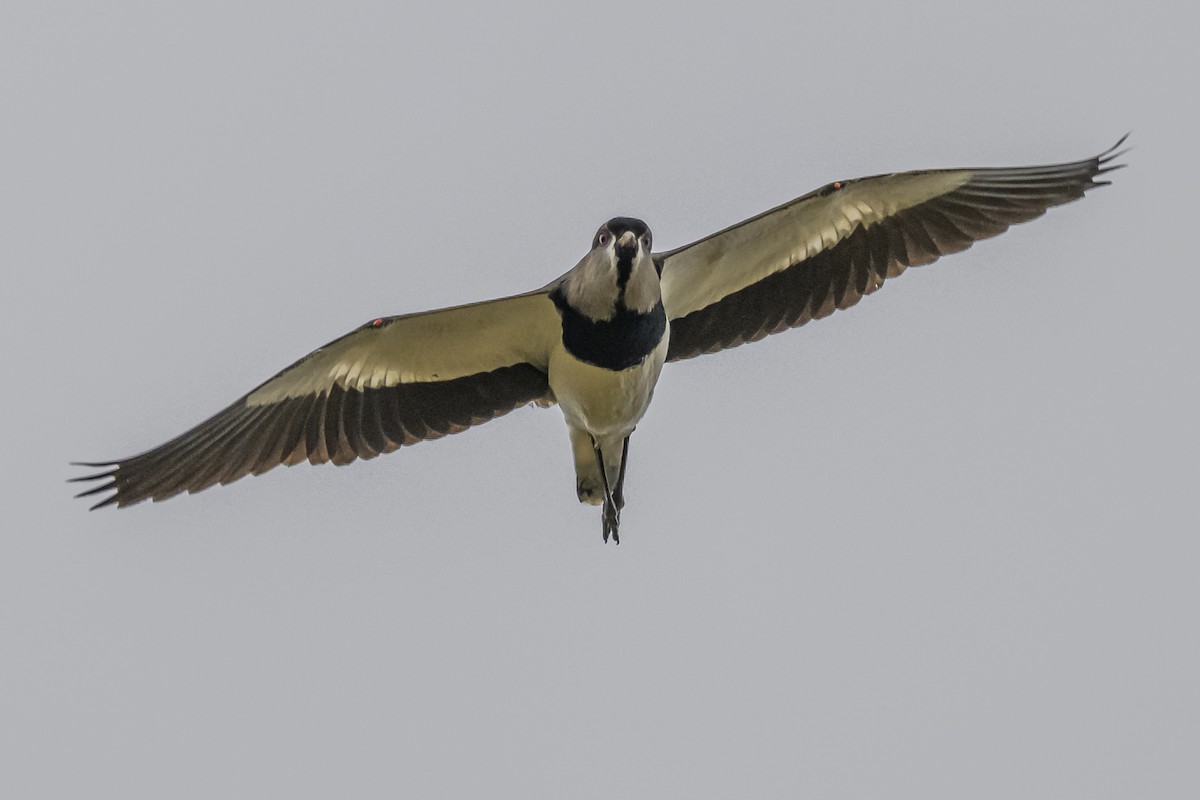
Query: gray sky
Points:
[939, 545]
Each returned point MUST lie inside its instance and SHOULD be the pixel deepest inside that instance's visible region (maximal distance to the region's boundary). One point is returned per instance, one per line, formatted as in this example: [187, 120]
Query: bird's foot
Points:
[612, 522]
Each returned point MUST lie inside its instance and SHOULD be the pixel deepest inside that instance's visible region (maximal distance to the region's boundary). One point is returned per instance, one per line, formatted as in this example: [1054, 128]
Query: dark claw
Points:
[612, 521]
[612, 509]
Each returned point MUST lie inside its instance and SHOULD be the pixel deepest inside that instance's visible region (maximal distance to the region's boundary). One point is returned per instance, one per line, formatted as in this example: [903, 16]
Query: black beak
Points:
[627, 245]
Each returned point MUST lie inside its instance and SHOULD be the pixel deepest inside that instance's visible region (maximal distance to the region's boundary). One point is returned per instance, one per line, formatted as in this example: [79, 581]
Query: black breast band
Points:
[619, 343]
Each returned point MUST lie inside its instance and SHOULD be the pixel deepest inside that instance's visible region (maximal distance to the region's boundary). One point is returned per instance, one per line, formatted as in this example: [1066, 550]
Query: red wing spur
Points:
[594, 341]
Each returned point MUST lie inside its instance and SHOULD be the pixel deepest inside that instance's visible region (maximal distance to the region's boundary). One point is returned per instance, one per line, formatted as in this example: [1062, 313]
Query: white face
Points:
[607, 238]
[617, 273]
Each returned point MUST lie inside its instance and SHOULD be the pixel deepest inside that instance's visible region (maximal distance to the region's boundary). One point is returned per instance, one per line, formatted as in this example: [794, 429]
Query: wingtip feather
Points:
[1116, 151]
[1119, 142]
[107, 480]
[108, 501]
[93, 477]
[106, 487]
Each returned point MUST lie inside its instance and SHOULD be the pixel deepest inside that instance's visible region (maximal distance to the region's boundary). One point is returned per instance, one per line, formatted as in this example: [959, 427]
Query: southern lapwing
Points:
[595, 340]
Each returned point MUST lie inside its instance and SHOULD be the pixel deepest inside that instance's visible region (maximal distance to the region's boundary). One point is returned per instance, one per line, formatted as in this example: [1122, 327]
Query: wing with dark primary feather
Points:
[395, 381]
[824, 251]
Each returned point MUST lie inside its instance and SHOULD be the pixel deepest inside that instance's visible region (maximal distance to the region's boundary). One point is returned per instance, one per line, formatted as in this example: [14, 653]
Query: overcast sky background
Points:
[941, 545]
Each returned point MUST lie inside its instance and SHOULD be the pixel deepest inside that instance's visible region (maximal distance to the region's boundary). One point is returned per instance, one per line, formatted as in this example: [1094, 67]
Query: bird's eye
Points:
[603, 238]
[646, 240]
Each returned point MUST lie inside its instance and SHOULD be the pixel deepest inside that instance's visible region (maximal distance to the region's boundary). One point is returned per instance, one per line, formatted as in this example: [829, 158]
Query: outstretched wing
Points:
[825, 250]
[395, 381]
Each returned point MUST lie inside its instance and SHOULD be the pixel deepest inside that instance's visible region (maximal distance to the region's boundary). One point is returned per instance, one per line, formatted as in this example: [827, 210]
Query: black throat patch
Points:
[618, 343]
[624, 270]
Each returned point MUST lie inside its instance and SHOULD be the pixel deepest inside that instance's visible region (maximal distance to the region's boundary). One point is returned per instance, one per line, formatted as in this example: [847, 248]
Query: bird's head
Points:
[624, 235]
[618, 274]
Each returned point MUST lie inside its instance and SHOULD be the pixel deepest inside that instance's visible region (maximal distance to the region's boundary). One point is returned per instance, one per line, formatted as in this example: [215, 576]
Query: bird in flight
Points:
[595, 340]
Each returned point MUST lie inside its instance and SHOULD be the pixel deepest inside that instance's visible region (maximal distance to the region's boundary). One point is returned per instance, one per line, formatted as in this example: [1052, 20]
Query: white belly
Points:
[604, 402]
